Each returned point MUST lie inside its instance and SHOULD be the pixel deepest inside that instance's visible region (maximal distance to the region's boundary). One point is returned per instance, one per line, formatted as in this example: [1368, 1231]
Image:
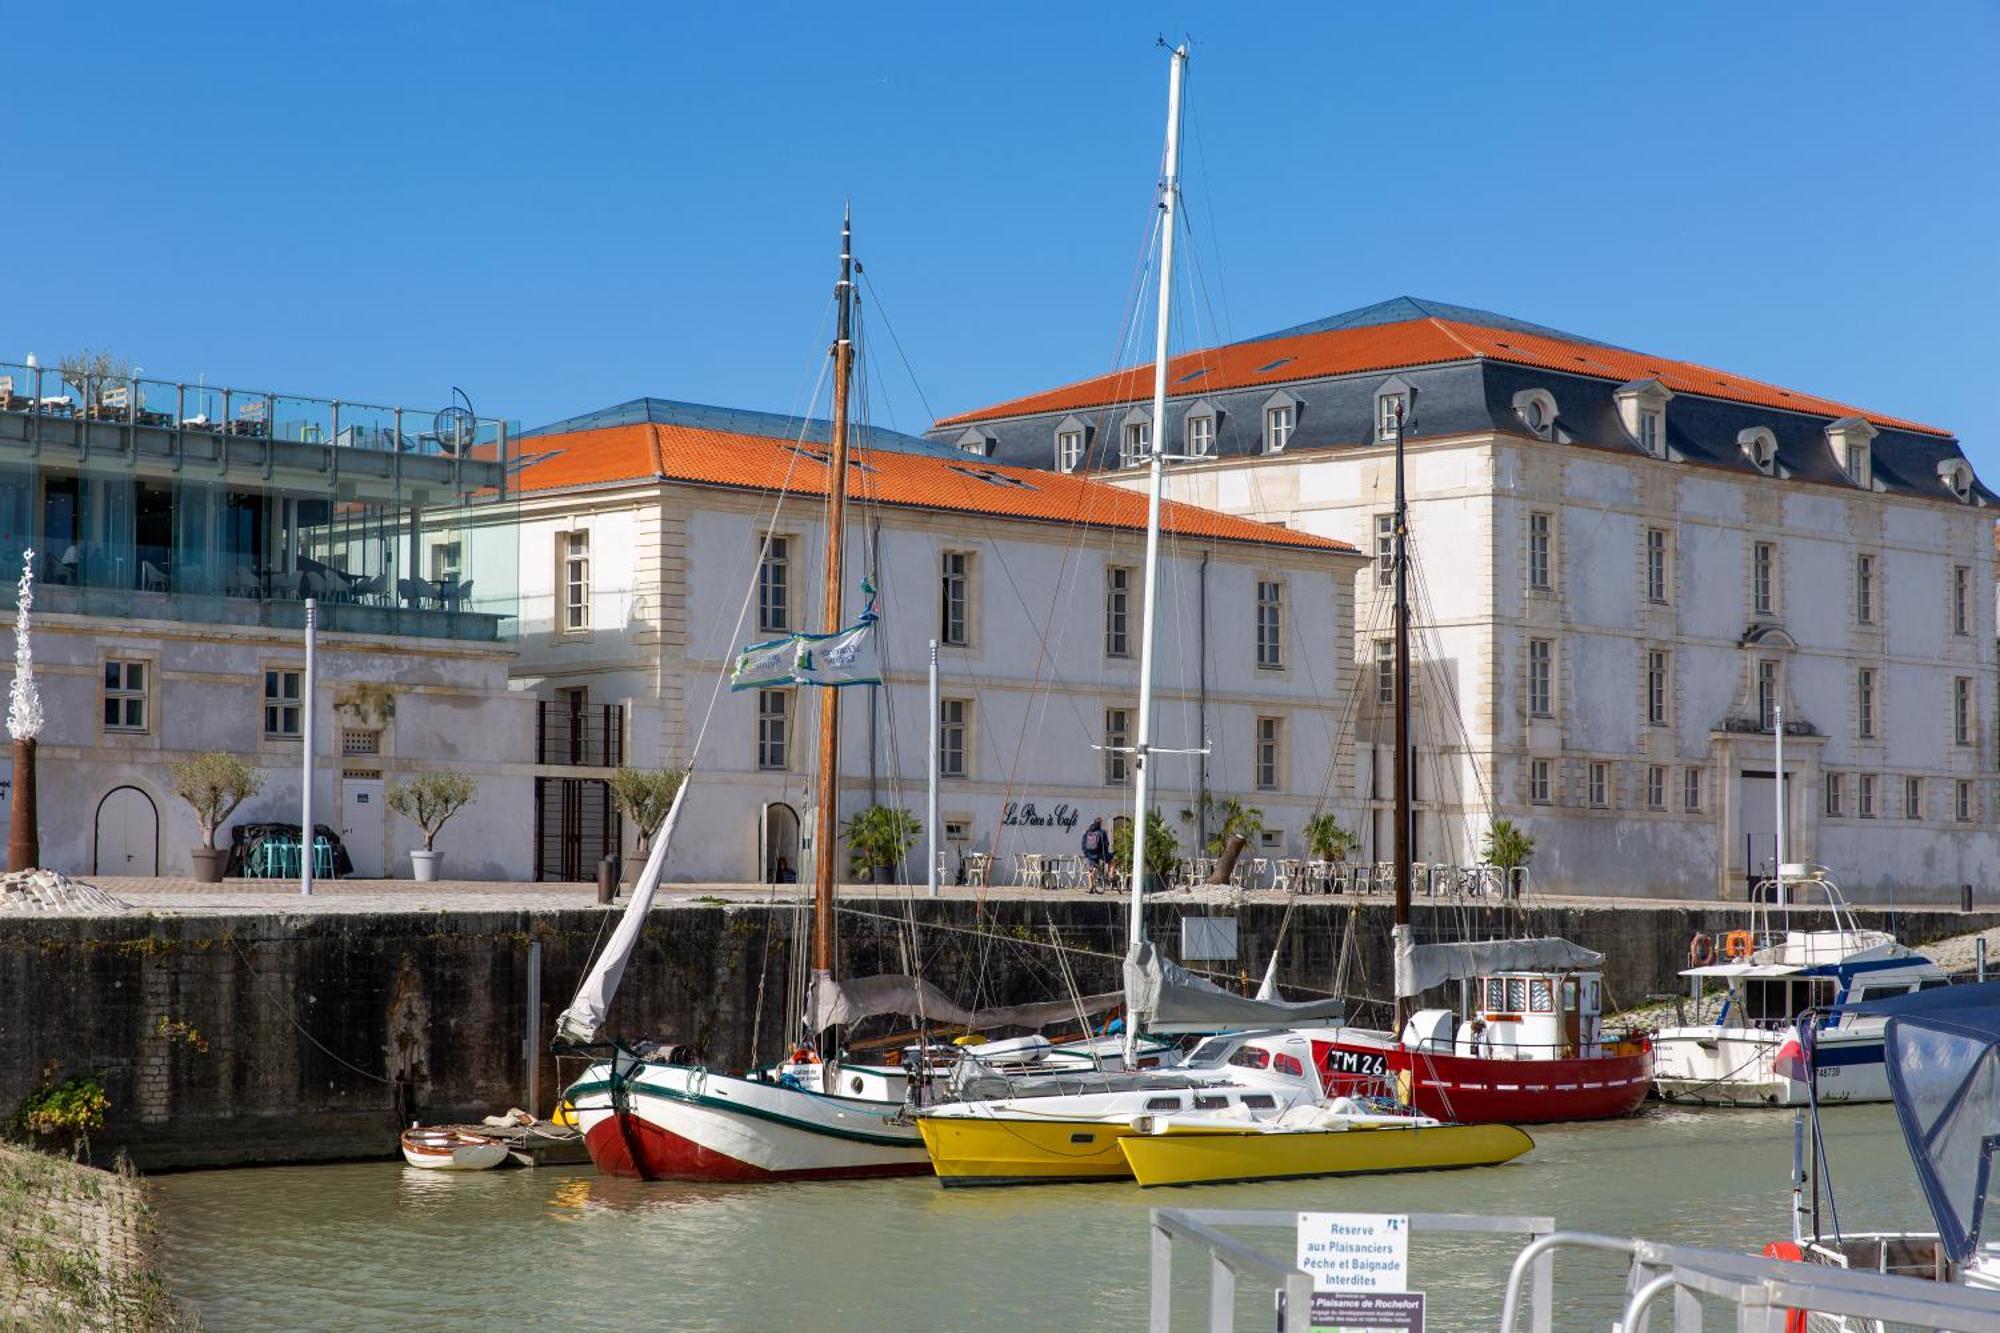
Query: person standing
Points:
[1096, 853]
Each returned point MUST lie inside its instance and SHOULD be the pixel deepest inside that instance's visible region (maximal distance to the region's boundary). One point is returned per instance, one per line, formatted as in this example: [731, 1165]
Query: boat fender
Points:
[1701, 950]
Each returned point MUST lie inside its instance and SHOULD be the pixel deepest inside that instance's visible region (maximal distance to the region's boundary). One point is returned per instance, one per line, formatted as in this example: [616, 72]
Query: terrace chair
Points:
[369, 590]
[151, 577]
[243, 582]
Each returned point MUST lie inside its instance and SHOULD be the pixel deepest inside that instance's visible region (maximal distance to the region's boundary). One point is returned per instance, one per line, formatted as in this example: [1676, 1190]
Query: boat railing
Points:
[1762, 1293]
[1806, 889]
[1232, 1259]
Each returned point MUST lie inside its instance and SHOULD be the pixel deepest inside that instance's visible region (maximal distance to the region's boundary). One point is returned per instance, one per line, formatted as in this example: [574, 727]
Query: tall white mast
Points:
[1778, 866]
[1142, 785]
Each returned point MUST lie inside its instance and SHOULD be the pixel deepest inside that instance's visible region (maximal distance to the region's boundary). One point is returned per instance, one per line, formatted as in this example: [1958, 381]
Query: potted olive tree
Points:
[645, 795]
[213, 785]
[428, 800]
[878, 839]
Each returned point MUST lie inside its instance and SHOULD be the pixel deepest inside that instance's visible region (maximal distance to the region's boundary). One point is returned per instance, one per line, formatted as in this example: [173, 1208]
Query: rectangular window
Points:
[955, 590]
[1763, 559]
[1117, 611]
[1913, 798]
[1656, 565]
[1600, 784]
[773, 729]
[1961, 600]
[1200, 436]
[1270, 625]
[1539, 526]
[1691, 791]
[774, 588]
[1656, 688]
[1538, 781]
[1385, 550]
[445, 562]
[1962, 802]
[1656, 787]
[1069, 449]
[1961, 710]
[1389, 419]
[1541, 677]
[1865, 800]
[1269, 736]
[575, 581]
[1385, 671]
[1767, 695]
[1278, 428]
[124, 695]
[283, 708]
[1138, 442]
[1864, 589]
[1836, 795]
[952, 714]
[1864, 691]
[1650, 434]
[1117, 735]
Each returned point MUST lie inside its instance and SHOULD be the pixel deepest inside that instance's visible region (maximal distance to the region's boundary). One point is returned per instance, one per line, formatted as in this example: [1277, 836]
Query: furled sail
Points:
[834, 1003]
[1163, 996]
[1422, 966]
[584, 1018]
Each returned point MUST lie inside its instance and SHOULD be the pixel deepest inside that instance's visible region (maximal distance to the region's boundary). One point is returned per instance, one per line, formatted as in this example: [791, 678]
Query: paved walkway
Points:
[185, 897]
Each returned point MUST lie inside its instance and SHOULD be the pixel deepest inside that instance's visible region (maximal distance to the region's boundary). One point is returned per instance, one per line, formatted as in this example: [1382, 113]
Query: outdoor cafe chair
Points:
[151, 577]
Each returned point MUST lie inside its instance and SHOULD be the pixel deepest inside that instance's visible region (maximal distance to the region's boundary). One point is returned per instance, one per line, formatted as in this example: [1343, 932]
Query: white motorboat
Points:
[440, 1149]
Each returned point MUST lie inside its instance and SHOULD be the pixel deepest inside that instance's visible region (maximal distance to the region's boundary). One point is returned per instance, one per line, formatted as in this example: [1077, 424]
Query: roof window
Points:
[1760, 446]
[1270, 366]
[1192, 375]
[1956, 474]
[1395, 409]
[825, 459]
[1852, 442]
[1642, 409]
[1537, 410]
[991, 478]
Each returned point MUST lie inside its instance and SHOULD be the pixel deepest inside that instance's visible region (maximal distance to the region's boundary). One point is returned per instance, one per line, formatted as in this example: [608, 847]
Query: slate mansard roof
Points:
[623, 445]
[1464, 368]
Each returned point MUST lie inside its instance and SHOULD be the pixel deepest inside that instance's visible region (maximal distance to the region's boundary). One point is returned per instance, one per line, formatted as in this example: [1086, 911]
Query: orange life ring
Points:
[1738, 944]
[1701, 950]
[1795, 1320]
[805, 1055]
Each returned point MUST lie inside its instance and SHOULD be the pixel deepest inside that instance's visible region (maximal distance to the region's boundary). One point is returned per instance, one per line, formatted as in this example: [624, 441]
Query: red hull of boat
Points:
[1473, 1091]
[625, 1145]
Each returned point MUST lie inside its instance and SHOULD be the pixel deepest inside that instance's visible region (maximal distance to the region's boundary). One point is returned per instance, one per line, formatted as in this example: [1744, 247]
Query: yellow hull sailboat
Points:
[1021, 1151]
[1211, 1153]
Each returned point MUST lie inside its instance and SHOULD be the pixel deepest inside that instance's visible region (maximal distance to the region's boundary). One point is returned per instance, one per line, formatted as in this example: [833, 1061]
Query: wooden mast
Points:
[826, 827]
[1404, 795]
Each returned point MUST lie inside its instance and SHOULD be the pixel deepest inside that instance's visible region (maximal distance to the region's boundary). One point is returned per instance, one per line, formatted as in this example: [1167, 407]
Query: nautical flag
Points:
[1793, 1060]
[846, 657]
[763, 665]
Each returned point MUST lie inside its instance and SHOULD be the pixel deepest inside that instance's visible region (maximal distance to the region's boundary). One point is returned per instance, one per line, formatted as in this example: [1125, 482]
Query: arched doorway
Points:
[777, 843]
[128, 834]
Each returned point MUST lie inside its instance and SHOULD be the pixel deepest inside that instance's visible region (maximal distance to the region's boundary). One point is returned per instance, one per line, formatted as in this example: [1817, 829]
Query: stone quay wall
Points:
[240, 1038]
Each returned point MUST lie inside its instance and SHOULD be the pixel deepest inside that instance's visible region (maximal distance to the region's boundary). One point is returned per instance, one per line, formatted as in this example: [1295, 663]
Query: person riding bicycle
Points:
[1096, 853]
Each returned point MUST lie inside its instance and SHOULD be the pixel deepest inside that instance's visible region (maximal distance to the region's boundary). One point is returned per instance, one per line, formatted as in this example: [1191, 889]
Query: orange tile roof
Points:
[1415, 342]
[920, 481]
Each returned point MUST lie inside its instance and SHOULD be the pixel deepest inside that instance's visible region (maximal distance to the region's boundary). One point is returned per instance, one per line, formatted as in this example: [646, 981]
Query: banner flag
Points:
[848, 657]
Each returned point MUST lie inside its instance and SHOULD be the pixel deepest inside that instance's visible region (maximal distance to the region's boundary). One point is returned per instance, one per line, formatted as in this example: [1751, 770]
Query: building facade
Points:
[645, 564]
[1626, 568]
[177, 531]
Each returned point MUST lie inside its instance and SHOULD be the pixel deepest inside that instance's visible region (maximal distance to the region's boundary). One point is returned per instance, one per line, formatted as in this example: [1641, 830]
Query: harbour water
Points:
[380, 1245]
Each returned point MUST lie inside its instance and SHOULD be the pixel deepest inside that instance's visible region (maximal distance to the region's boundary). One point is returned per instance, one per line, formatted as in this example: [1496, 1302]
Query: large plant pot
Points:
[424, 865]
[882, 874]
[209, 863]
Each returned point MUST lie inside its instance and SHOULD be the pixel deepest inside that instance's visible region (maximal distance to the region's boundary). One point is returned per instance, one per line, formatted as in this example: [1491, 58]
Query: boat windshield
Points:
[1775, 1001]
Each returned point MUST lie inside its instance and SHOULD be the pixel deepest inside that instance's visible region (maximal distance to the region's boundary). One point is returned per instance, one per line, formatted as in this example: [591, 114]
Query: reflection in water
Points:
[339, 1246]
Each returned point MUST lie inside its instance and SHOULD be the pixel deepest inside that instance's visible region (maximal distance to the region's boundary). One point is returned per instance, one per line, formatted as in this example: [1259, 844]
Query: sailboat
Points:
[654, 1113]
[1053, 1133]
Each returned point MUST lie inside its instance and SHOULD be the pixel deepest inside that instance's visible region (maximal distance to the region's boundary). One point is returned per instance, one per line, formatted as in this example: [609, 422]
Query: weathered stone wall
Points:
[239, 1039]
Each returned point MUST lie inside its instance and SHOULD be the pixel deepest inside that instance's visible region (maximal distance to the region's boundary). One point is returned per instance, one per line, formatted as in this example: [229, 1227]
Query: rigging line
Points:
[868, 283]
[1193, 120]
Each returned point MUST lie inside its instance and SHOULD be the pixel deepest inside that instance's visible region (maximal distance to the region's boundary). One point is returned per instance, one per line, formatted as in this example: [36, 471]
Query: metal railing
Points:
[56, 397]
[589, 736]
[1231, 1258]
[1763, 1295]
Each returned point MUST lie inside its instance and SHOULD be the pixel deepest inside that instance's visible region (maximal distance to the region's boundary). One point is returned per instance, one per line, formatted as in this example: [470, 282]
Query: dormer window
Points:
[1760, 447]
[977, 443]
[1395, 409]
[1537, 410]
[1642, 407]
[1136, 445]
[1852, 442]
[1956, 474]
[1200, 430]
[1281, 418]
[1070, 434]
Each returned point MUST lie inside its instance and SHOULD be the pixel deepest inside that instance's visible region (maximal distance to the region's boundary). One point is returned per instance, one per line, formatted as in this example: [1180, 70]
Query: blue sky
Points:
[561, 207]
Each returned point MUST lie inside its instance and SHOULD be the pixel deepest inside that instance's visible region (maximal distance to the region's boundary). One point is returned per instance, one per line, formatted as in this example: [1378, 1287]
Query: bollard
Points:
[607, 880]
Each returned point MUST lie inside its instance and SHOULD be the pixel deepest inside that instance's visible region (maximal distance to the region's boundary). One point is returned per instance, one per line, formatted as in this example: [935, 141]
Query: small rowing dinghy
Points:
[1342, 1139]
[439, 1149]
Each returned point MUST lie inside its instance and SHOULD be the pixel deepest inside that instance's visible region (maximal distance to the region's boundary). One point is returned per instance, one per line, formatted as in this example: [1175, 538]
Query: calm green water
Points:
[383, 1246]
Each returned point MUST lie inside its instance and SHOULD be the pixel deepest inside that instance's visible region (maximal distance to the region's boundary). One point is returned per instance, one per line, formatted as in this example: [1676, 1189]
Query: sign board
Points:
[1208, 938]
[1360, 1267]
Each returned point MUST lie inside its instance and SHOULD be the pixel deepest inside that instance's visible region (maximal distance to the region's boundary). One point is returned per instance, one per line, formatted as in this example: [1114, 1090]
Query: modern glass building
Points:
[154, 500]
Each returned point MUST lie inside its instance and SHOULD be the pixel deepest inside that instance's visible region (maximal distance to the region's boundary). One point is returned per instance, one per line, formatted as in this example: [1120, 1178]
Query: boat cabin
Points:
[1518, 1016]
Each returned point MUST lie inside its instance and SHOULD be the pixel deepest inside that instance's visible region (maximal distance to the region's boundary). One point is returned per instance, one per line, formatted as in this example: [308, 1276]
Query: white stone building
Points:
[177, 530]
[1626, 565]
[641, 546]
